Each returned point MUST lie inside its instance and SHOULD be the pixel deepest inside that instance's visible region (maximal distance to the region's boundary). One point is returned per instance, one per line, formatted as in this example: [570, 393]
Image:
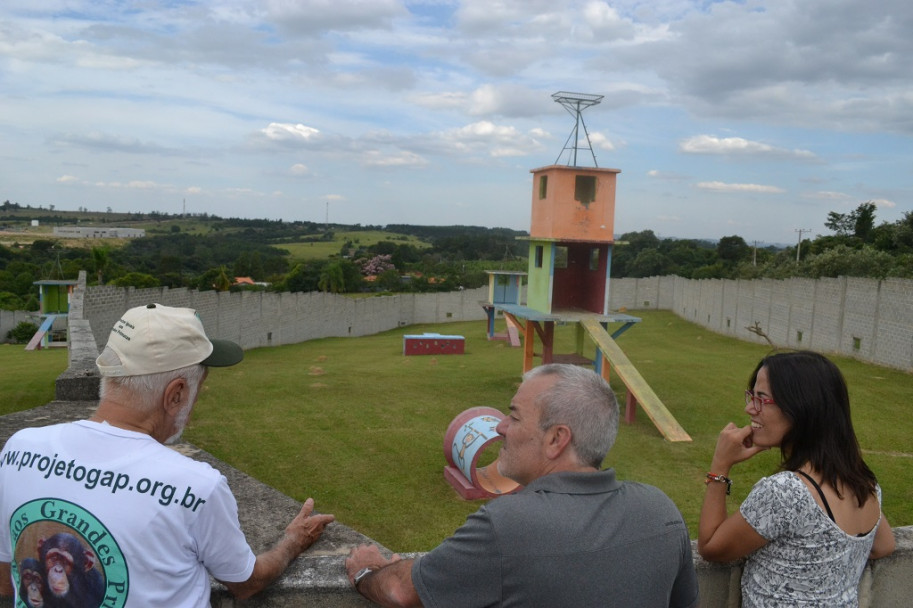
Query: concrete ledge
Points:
[81, 380]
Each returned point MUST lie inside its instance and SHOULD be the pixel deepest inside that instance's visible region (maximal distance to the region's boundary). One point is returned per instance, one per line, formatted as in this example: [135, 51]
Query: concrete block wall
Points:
[866, 319]
[894, 333]
[828, 315]
[255, 319]
[863, 318]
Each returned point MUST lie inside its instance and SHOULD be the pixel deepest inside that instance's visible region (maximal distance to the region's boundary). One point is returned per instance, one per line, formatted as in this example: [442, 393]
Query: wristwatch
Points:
[360, 576]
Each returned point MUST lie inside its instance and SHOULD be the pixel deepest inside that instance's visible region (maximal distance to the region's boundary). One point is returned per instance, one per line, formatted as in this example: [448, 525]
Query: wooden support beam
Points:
[529, 341]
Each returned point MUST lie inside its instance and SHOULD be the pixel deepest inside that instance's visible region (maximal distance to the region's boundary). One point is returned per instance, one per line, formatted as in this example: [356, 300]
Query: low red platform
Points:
[433, 344]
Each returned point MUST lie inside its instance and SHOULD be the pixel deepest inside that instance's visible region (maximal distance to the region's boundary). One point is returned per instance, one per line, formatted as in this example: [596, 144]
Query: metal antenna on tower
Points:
[575, 104]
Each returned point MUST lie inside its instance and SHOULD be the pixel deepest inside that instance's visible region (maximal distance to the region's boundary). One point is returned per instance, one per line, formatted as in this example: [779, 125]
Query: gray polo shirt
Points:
[567, 539]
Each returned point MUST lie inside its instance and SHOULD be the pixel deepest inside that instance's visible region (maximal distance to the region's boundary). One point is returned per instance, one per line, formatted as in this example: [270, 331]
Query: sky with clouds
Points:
[753, 118]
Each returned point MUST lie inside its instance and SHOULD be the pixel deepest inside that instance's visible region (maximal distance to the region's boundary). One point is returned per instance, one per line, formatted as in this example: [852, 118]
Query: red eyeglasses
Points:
[757, 402]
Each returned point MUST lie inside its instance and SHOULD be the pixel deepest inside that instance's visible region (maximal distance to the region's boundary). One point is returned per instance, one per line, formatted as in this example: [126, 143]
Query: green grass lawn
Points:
[360, 427]
[27, 377]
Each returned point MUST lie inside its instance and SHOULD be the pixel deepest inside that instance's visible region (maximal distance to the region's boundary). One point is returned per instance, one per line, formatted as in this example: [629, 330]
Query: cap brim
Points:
[225, 353]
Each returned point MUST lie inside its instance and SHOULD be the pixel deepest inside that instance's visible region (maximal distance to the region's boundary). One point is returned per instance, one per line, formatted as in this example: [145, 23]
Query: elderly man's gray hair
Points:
[148, 389]
[584, 401]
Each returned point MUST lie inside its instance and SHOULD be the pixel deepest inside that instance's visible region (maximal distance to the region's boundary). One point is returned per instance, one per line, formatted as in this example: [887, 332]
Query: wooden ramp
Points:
[35, 342]
[635, 383]
[513, 329]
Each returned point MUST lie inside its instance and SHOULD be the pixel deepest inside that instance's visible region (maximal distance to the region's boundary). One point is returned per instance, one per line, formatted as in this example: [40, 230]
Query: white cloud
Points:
[710, 144]
[485, 130]
[317, 16]
[448, 100]
[107, 142]
[278, 131]
[604, 22]
[142, 185]
[502, 152]
[376, 158]
[599, 141]
[484, 138]
[503, 99]
[129, 185]
[665, 175]
[724, 187]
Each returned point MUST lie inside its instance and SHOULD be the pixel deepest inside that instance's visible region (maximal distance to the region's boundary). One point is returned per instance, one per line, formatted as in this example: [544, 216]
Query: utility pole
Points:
[754, 254]
[799, 245]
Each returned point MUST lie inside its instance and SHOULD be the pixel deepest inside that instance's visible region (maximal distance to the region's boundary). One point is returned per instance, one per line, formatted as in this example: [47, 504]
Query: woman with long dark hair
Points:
[809, 529]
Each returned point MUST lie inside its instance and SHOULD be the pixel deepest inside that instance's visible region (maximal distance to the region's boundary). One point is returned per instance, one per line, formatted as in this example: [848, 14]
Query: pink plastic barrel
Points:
[466, 439]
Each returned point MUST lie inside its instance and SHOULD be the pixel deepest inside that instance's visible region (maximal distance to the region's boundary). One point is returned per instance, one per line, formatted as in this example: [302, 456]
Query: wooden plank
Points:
[35, 342]
[513, 329]
[635, 383]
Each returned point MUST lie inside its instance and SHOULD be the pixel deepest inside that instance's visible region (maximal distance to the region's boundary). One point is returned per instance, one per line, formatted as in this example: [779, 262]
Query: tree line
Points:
[455, 257]
[857, 247]
[450, 257]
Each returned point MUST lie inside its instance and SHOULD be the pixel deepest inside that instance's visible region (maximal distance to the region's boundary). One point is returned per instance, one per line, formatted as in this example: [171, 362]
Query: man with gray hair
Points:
[574, 536]
[101, 512]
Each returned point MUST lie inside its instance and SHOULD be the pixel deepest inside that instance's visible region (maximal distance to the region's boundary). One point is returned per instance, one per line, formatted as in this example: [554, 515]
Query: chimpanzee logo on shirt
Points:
[64, 557]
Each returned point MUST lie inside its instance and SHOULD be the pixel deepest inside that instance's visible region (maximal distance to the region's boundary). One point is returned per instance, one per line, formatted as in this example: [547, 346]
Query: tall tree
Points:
[860, 222]
[222, 281]
[101, 256]
[732, 249]
[332, 278]
[864, 221]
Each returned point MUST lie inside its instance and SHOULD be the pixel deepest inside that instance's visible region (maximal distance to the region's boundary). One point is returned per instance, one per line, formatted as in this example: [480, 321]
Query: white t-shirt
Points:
[152, 524]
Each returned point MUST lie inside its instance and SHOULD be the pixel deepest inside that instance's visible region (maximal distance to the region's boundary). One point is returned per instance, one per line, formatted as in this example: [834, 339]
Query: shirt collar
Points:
[568, 482]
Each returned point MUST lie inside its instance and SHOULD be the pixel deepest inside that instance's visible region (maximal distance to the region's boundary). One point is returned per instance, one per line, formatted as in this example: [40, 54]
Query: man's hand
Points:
[366, 556]
[390, 582]
[305, 529]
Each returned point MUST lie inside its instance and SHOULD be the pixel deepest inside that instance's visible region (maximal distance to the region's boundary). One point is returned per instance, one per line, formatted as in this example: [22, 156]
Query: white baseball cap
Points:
[153, 338]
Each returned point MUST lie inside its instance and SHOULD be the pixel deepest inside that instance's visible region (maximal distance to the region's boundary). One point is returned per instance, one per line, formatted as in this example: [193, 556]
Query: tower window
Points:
[585, 189]
[543, 186]
[560, 256]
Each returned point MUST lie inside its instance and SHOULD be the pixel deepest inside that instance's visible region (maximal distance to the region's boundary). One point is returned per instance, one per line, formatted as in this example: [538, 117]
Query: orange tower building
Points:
[570, 259]
[571, 238]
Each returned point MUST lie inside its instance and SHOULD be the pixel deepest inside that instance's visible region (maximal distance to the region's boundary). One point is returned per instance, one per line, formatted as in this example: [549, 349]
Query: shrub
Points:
[22, 333]
[139, 280]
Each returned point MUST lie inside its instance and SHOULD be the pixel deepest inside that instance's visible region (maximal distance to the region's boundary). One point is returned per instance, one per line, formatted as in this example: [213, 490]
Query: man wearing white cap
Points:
[100, 512]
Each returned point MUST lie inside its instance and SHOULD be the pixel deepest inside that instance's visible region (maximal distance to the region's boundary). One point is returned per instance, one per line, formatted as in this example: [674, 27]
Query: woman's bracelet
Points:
[721, 479]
